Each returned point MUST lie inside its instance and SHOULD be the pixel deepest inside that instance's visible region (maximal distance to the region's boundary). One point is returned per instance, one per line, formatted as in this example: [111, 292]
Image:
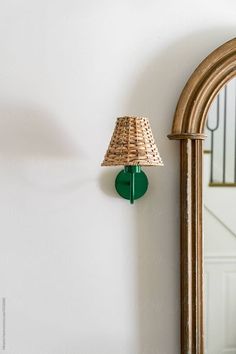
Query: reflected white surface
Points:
[220, 224]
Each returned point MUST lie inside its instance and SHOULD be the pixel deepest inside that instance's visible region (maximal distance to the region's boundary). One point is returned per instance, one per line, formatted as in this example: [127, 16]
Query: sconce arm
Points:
[132, 170]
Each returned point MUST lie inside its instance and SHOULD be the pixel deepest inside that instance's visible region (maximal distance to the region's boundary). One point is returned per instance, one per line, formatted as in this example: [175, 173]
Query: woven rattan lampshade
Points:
[132, 143]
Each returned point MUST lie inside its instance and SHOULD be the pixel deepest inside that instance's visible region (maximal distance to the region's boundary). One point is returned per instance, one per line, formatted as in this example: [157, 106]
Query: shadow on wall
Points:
[31, 133]
[155, 95]
[105, 181]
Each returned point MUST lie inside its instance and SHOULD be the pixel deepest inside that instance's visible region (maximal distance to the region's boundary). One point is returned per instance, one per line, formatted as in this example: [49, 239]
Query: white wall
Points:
[83, 272]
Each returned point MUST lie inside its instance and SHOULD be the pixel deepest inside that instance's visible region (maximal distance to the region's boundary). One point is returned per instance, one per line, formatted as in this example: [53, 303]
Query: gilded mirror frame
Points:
[188, 127]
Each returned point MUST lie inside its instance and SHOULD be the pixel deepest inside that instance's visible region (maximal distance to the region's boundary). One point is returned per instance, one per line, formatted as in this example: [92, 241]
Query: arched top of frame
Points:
[203, 85]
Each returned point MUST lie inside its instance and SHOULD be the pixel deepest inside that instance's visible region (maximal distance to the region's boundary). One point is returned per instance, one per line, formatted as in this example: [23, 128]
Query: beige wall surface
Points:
[82, 271]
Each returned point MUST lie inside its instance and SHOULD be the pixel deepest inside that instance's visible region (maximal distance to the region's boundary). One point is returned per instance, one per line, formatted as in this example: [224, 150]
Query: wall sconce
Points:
[132, 145]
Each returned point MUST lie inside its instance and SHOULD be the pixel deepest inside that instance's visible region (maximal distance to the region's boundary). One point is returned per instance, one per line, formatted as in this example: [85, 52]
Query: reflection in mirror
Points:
[220, 223]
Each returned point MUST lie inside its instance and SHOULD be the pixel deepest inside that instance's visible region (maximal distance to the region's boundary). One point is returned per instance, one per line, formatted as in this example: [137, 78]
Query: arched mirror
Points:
[205, 124]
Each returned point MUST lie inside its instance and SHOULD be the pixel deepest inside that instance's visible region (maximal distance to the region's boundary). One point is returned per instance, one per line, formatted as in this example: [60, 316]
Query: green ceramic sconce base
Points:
[131, 183]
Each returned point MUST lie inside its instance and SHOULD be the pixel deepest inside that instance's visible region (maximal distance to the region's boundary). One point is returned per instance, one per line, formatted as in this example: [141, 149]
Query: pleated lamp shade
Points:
[132, 143]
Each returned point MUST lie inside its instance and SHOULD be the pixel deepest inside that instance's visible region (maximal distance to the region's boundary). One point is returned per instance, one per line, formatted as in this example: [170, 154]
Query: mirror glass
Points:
[219, 192]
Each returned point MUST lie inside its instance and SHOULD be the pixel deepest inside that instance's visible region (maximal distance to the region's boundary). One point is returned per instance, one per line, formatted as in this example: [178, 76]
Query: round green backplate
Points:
[122, 184]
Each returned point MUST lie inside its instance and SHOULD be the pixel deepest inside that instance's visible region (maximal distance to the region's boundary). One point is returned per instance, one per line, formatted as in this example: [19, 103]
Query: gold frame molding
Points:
[188, 127]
